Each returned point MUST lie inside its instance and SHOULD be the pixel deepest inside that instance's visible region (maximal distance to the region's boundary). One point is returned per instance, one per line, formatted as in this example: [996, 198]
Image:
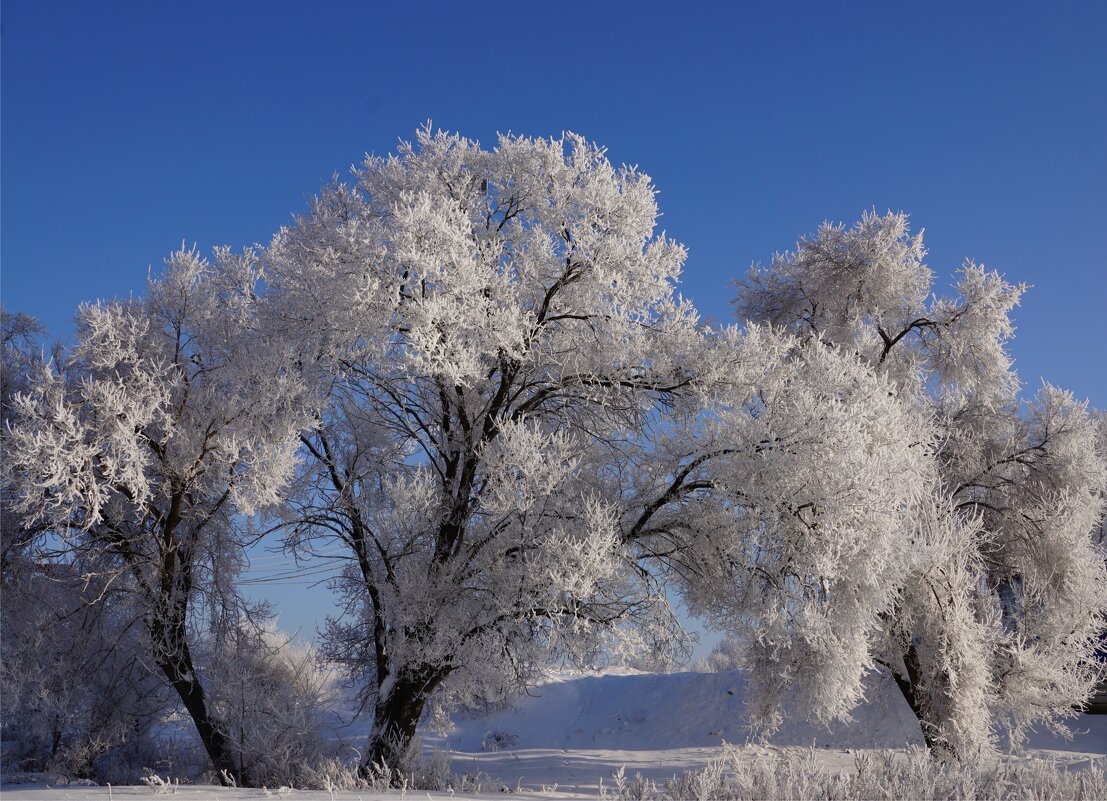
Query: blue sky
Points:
[129, 127]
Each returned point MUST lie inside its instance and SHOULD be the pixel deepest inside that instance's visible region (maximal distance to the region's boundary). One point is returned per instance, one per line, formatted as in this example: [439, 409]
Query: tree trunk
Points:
[175, 660]
[910, 687]
[395, 718]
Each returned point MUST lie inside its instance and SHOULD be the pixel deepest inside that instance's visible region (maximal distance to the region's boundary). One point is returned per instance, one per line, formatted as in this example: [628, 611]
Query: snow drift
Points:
[635, 711]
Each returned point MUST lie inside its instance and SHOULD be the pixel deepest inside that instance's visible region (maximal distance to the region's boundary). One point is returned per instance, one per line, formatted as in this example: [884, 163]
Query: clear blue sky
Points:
[128, 127]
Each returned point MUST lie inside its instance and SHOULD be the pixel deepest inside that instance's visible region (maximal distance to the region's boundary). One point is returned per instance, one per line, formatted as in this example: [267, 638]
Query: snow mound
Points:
[644, 711]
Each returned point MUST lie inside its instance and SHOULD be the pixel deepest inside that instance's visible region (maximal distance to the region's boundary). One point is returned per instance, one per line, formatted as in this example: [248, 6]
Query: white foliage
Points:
[175, 412]
[999, 595]
[512, 316]
[477, 369]
[173, 391]
[817, 525]
[527, 432]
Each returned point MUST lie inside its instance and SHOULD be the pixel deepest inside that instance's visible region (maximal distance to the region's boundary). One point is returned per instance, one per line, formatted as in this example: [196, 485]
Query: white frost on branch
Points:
[527, 433]
[998, 618]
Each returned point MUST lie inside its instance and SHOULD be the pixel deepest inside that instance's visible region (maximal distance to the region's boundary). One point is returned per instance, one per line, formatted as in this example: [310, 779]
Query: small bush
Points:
[498, 741]
[419, 772]
[271, 694]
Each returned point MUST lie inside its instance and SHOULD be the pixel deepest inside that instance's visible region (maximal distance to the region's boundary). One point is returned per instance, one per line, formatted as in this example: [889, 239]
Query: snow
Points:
[641, 711]
[212, 793]
[574, 730]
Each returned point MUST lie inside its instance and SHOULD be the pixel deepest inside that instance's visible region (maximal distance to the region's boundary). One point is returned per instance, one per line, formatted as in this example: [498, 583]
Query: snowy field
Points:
[574, 732]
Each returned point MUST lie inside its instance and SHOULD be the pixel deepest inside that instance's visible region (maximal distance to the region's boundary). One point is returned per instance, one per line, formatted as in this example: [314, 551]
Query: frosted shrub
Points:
[725, 655]
[159, 785]
[77, 700]
[432, 772]
[335, 775]
[880, 776]
[423, 771]
[272, 694]
[498, 741]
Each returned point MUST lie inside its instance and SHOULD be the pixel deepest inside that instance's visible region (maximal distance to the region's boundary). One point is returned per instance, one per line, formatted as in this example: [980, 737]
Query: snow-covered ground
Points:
[574, 731]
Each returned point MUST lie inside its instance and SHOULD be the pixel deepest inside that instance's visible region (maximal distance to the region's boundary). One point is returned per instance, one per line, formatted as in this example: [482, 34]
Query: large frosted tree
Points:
[998, 617]
[174, 414]
[527, 432]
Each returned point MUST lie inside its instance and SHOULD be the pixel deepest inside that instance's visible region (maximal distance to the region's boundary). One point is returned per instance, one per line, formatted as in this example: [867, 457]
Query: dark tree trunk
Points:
[169, 632]
[911, 688]
[396, 716]
[175, 660]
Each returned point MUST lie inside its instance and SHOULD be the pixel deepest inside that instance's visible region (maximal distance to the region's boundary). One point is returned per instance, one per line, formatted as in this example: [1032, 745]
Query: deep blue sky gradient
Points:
[128, 127]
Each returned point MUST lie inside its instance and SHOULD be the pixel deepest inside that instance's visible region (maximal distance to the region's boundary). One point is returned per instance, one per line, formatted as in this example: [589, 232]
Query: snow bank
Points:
[641, 711]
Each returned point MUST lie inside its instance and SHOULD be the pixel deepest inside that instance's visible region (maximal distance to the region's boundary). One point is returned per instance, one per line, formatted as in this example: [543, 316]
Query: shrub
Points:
[879, 776]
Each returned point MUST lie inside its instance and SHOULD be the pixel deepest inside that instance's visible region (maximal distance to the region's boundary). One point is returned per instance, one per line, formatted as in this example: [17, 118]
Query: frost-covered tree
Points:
[174, 413]
[22, 354]
[997, 618]
[527, 432]
[76, 694]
